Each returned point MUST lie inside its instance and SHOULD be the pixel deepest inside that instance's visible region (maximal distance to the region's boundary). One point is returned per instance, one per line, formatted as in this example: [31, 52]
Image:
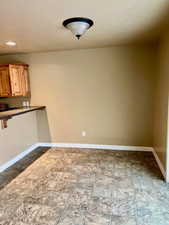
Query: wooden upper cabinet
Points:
[5, 89]
[16, 75]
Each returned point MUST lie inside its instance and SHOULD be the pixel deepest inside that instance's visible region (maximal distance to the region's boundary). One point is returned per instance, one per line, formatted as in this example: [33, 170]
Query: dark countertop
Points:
[15, 112]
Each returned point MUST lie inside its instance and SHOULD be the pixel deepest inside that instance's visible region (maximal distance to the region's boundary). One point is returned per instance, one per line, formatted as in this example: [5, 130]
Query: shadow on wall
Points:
[153, 32]
[43, 126]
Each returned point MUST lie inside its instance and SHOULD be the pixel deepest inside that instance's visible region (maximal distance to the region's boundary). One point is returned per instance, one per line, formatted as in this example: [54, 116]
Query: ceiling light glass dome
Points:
[78, 25]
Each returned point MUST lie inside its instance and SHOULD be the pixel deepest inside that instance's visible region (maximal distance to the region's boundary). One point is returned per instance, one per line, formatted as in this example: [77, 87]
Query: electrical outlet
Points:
[83, 133]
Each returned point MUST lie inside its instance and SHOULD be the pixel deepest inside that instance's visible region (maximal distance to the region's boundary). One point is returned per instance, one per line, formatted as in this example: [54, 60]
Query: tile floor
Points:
[8, 175]
[87, 187]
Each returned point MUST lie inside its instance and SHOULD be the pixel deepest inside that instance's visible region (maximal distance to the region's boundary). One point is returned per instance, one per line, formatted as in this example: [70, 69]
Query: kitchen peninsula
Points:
[18, 111]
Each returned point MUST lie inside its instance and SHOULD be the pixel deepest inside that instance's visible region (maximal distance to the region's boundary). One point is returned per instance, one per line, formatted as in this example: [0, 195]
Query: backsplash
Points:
[14, 102]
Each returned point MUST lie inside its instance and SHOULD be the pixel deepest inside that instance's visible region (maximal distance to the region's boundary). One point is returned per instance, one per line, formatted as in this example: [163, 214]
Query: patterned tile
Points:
[84, 187]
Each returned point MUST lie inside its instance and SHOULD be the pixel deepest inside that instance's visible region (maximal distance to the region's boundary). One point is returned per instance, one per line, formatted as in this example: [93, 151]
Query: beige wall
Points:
[23, 131]
[107, 92]
[19, 136]
[161, 102]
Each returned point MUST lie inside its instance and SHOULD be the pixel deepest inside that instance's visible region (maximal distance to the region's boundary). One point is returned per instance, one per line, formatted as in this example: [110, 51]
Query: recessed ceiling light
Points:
[10, 43]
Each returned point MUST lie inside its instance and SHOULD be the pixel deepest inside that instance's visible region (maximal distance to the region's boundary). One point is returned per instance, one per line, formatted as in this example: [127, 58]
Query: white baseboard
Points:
[18, 157]
[160, 165]
[91, 146]
[95, 146]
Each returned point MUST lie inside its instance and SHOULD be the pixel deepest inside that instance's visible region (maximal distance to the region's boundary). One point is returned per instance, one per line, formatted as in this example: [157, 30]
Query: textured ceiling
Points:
[36, 25]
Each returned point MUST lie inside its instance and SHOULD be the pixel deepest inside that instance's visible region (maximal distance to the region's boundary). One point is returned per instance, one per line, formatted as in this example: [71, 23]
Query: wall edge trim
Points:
[159, 163]
[96, 146]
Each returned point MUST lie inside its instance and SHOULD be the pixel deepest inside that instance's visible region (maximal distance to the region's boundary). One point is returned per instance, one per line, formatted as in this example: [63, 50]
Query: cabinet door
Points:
[25, 82]
[16, 80]
[5, 89]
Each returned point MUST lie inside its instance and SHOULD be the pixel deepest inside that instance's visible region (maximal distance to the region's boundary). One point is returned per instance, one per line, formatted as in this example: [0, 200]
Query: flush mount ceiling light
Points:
[78, 25]
[10, 43]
